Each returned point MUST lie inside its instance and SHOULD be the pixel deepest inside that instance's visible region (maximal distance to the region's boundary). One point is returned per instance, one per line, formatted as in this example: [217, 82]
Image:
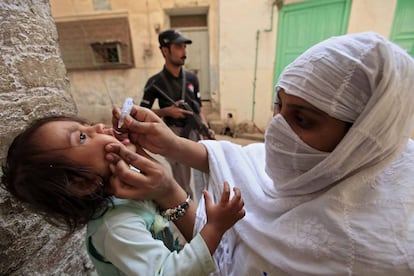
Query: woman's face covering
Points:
[316, 128]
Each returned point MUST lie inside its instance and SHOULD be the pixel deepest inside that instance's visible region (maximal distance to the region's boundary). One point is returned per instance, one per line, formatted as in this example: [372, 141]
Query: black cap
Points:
[172, 37]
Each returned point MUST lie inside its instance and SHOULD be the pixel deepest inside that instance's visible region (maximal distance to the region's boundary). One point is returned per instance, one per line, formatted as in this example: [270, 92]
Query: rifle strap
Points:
[168, 84]
[185, 132]
[183, 84]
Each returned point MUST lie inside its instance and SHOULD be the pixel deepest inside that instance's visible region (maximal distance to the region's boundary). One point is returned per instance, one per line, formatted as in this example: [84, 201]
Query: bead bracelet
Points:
[173, 214]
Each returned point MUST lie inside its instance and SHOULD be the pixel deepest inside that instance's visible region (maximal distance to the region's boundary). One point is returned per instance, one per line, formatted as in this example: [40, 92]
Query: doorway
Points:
[302, 25]
[194, 27]
[403, 26]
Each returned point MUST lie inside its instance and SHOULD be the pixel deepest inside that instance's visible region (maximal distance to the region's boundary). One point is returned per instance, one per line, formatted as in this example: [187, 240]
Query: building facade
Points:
[239, 46]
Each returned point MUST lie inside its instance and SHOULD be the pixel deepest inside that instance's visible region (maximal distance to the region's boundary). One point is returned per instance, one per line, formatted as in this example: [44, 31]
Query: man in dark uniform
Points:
[178, 97]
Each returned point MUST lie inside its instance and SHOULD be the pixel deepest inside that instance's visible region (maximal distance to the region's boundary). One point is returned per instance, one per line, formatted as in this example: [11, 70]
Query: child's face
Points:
[82, 144]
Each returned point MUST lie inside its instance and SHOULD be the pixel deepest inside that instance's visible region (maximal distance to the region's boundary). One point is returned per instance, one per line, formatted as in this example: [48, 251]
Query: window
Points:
[180, 21]
[110, 54]
[96, 43]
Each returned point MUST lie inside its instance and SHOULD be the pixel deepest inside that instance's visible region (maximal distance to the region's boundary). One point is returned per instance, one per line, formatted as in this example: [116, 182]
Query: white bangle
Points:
[173, 214]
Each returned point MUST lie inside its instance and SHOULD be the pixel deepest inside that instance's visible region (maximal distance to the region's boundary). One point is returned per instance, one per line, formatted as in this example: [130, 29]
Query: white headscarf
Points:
[352, 213]
[363, 79]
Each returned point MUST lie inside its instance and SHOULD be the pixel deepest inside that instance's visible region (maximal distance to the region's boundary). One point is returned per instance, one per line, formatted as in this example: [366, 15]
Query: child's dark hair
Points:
[47, 182]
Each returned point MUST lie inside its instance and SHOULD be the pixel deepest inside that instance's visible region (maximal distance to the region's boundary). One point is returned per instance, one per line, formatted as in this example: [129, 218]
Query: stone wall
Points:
[33, 83]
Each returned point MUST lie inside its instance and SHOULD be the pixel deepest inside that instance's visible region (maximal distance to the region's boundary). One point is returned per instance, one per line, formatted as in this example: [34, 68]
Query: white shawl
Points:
[353, 213]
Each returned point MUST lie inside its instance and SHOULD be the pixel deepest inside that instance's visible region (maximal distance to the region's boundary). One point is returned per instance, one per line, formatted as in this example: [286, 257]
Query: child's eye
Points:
[82, 137]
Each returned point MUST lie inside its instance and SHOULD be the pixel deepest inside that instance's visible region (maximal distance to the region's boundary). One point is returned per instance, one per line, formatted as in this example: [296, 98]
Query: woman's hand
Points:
[145, 129]
[151, 182]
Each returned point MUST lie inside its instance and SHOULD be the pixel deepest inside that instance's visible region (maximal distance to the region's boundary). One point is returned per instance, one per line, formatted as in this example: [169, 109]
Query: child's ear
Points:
[83, 186]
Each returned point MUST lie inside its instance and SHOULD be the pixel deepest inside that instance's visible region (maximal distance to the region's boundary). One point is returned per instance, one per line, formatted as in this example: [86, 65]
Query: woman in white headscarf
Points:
[331, 191]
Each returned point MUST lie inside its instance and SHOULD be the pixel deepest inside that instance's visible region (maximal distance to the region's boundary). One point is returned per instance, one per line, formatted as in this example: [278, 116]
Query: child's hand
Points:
[225, 213]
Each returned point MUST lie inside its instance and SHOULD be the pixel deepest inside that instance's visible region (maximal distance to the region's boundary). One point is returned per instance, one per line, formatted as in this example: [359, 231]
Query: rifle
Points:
[201, 128]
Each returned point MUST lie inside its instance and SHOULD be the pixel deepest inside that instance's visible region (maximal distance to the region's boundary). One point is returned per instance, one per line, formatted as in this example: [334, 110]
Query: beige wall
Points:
[372, 15]
[240, 21]
[233, 28]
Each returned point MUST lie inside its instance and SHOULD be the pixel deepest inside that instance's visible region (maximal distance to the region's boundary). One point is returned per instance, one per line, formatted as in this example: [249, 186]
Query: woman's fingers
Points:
[143, 162]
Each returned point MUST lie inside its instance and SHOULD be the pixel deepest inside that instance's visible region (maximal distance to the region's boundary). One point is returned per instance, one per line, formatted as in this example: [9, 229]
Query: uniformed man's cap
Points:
[172, 37]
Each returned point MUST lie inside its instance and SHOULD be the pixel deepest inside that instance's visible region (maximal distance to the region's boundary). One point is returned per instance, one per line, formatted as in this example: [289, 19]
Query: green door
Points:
[403, 26]
[304, 24]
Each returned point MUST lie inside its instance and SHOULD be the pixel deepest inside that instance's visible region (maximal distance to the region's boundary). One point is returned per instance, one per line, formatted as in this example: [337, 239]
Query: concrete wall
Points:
[33, 83]
[246, 57]
[242, 51]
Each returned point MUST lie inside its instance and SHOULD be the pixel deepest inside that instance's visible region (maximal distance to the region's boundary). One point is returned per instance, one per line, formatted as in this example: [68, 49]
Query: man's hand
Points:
[176, 111]
[212, 134]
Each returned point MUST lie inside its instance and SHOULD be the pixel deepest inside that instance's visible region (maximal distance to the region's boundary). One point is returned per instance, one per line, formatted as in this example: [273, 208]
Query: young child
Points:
[58, 167]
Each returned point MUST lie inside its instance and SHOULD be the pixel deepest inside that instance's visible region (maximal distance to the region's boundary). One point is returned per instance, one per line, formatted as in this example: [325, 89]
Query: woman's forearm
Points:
[189, 153]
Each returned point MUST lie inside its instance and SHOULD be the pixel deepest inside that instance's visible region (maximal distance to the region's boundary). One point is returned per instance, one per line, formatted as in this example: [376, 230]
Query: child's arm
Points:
[148, 131]
[221, 216]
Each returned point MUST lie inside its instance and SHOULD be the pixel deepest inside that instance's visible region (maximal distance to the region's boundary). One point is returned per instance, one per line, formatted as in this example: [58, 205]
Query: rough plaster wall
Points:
[33, 83]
